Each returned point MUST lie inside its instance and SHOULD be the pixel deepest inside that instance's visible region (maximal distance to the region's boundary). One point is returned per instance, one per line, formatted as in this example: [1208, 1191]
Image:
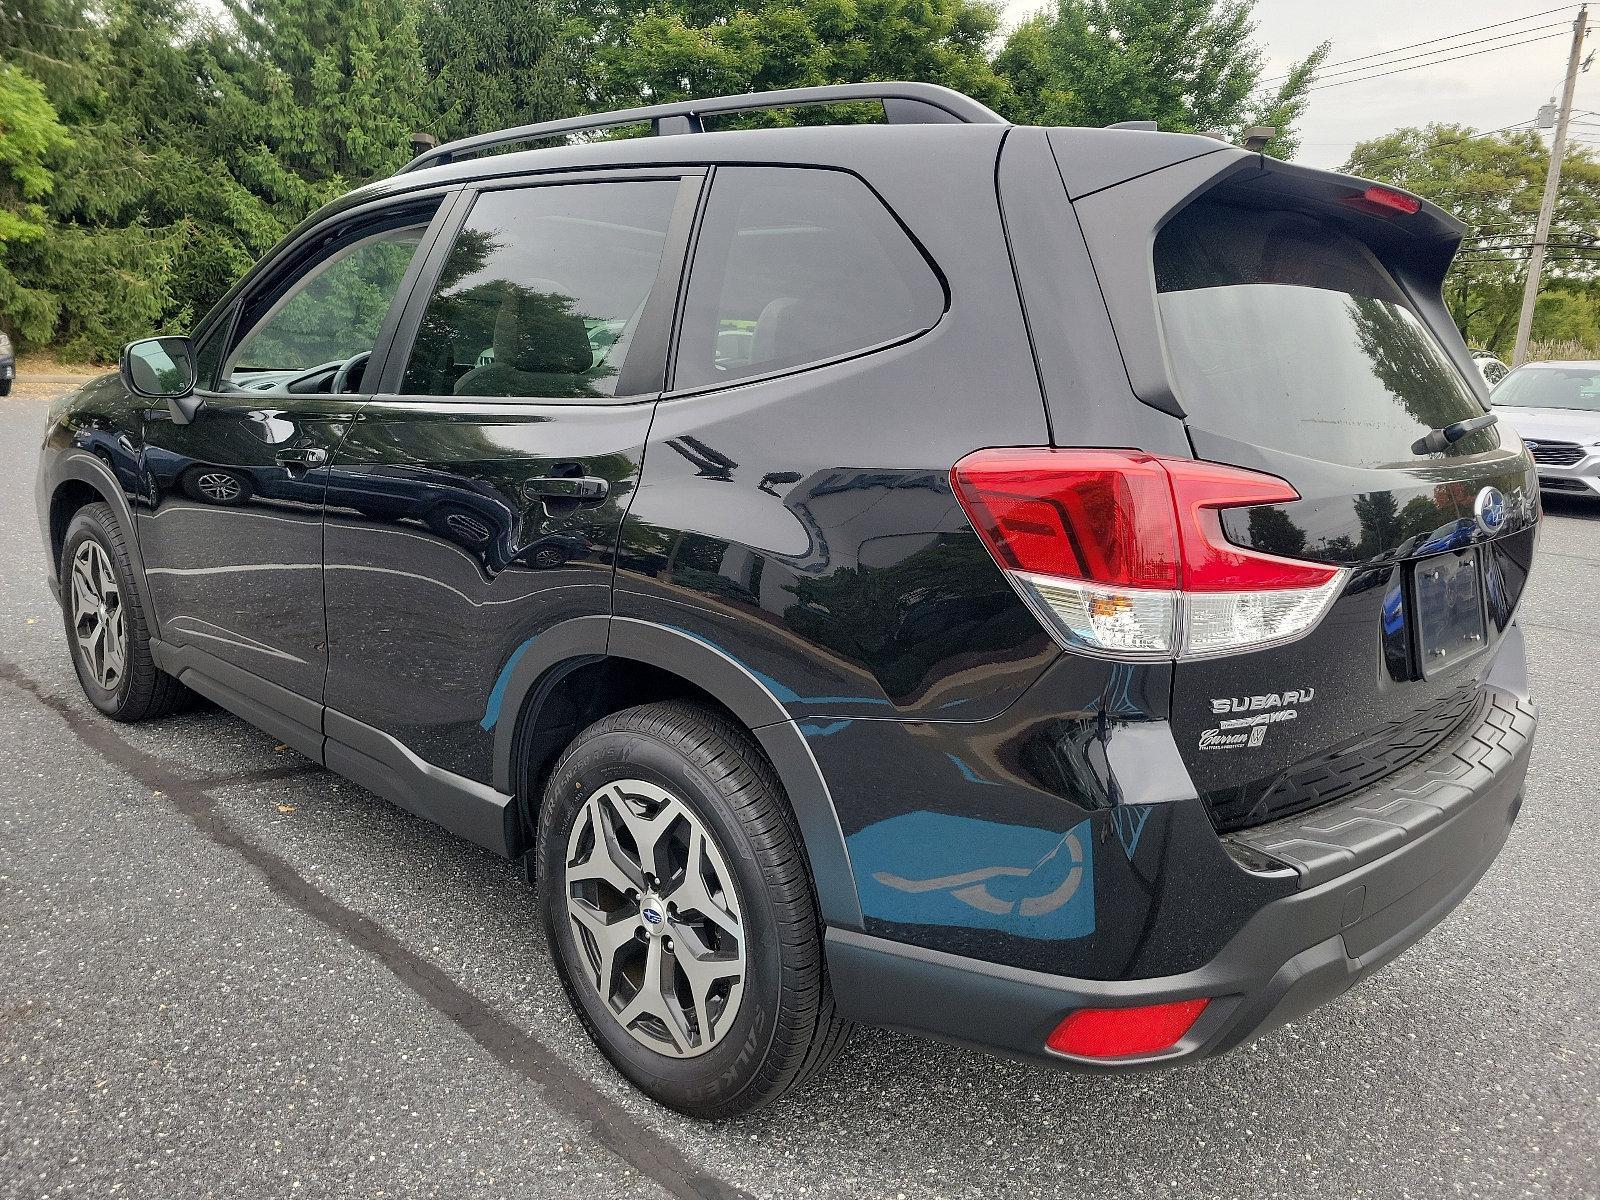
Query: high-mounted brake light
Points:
[1123, 554]
[1125, 1032]
[1383, 202]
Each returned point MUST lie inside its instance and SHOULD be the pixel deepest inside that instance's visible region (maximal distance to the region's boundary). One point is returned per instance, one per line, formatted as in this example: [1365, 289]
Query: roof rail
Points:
[903, 104]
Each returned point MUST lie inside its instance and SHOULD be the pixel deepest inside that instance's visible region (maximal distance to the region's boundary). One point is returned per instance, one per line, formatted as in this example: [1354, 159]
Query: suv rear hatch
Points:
[1293, 319]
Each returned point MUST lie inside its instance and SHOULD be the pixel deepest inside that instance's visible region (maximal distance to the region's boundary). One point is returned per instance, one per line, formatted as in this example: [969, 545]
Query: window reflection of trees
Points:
[338, 313]
[524, 341]
[1407, 361]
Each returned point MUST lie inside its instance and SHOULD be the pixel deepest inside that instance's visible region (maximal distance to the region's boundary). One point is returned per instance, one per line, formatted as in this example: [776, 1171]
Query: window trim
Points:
[644, 370]
[673, 392]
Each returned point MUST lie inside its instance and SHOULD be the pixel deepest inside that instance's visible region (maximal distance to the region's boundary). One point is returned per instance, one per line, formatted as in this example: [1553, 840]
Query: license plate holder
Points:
[1447, 591]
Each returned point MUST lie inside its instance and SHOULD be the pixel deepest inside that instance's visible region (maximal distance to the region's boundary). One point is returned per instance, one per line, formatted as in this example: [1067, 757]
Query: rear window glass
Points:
[794, 266]
[1287, 333]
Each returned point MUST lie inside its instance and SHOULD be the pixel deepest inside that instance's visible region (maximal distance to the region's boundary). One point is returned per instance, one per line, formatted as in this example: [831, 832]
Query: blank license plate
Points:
[1449, 594]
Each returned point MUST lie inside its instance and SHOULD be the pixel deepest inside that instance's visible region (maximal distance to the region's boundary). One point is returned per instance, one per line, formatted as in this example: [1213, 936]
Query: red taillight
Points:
[1384, 202]
[1101, 543]
[1102, 515]
[1211, 563]
[1125, 1032]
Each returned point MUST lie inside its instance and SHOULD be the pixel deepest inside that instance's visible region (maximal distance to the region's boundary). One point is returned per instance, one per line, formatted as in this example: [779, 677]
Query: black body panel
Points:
[442, 569]
[232, 536]
[804, 524]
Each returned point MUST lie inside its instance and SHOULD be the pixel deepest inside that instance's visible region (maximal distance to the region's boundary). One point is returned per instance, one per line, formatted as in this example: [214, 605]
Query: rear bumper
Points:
[1376, 872]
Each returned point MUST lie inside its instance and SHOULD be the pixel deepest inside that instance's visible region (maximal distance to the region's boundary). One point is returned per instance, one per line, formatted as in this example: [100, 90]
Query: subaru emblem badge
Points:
[1490, 510]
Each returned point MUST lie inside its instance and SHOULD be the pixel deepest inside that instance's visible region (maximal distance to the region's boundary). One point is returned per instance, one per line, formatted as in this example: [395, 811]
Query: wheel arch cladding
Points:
[80, 478]
[532, 718]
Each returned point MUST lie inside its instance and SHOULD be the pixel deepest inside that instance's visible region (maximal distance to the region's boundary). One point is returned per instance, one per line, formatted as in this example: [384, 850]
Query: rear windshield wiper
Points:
[1440, 439]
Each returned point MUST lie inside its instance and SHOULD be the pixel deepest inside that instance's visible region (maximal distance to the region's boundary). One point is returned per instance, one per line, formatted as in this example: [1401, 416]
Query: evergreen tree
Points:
[492, 64]
[680, 50]
[29, 133]
[1188, 65]
[314, 95]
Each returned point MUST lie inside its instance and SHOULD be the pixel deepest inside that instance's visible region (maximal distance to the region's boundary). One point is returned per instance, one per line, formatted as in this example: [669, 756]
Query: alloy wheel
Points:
[99, 622]
[656, 917]
[218, 486]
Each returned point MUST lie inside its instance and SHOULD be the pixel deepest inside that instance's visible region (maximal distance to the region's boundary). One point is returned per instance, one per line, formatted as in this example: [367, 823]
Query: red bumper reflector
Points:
[1123, 1032]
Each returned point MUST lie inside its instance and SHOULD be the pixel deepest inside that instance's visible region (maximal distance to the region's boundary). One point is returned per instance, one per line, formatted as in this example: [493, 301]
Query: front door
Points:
[231, 532]
[477, 501]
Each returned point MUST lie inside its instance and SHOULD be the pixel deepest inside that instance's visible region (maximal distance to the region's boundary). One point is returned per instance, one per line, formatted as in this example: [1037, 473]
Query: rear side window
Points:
[542, 291]
[795, 266]
[1286, 332]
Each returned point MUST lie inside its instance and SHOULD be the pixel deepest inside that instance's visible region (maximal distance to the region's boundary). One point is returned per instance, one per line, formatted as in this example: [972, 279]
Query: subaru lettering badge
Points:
[1490, 510]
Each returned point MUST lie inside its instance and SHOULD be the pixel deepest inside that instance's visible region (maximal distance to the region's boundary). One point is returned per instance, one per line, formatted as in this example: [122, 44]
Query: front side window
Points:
[542, 291]
[331, 314]
[795, 266]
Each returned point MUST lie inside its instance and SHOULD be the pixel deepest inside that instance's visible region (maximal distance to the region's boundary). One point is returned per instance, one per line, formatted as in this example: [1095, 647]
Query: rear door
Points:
[477, 500]
[1300, 332]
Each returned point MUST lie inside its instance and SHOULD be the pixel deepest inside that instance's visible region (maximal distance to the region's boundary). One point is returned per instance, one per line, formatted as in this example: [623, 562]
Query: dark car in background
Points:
[8, 364]
[1049, 589]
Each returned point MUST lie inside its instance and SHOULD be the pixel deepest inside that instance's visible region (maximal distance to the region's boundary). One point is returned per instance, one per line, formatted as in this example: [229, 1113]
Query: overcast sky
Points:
[1486, 91]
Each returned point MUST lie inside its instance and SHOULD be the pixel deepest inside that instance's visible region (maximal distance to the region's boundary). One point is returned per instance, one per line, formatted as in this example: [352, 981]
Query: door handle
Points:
[581, 489]
[302, 458]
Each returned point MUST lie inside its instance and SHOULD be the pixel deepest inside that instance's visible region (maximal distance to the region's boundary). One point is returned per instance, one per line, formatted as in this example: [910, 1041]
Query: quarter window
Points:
[796, 266]
[542, 291]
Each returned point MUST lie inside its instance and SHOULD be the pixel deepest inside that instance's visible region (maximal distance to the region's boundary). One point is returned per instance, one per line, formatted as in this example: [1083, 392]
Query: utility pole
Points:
[1552, 185]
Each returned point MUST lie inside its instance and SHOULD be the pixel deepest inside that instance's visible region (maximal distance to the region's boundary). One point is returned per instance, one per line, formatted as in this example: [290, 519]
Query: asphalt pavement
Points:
[227, 972]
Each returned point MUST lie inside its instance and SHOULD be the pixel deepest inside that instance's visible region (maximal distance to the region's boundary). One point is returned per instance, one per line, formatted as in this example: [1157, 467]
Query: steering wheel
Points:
[347, 368]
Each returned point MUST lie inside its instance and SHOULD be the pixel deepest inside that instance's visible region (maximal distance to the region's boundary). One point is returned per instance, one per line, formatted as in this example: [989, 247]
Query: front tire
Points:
[680, 913]
[108, 630]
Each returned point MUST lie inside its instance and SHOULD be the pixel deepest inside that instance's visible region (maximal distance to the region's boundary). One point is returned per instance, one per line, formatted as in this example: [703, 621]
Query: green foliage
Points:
[151, 150]
[29, 134]
[673, 51]
[338, 313]
[493, 64]
[332, 89]
[1493, 183]
[1189, 65]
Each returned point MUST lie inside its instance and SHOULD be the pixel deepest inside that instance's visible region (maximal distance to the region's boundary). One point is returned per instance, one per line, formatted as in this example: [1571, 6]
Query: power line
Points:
[1434, 63]
[1442, 49]
[1430, 41]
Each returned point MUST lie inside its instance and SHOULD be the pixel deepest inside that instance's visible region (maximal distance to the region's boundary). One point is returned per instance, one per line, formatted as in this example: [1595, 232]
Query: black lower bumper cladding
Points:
[1377, 871]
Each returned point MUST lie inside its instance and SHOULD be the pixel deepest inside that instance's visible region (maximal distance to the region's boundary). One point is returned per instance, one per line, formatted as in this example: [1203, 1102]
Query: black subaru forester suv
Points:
[1050, 589]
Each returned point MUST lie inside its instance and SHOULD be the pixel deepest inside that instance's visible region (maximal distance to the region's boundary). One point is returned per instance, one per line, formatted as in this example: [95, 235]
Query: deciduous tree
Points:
[1493, 183]
[1188, 65]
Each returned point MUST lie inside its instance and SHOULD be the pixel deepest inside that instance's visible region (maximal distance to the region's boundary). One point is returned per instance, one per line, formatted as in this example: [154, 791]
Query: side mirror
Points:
[163, 368]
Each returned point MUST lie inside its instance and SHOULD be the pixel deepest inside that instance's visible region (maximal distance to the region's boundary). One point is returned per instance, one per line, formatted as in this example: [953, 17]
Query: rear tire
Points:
[741, 1011]
[108, 630]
